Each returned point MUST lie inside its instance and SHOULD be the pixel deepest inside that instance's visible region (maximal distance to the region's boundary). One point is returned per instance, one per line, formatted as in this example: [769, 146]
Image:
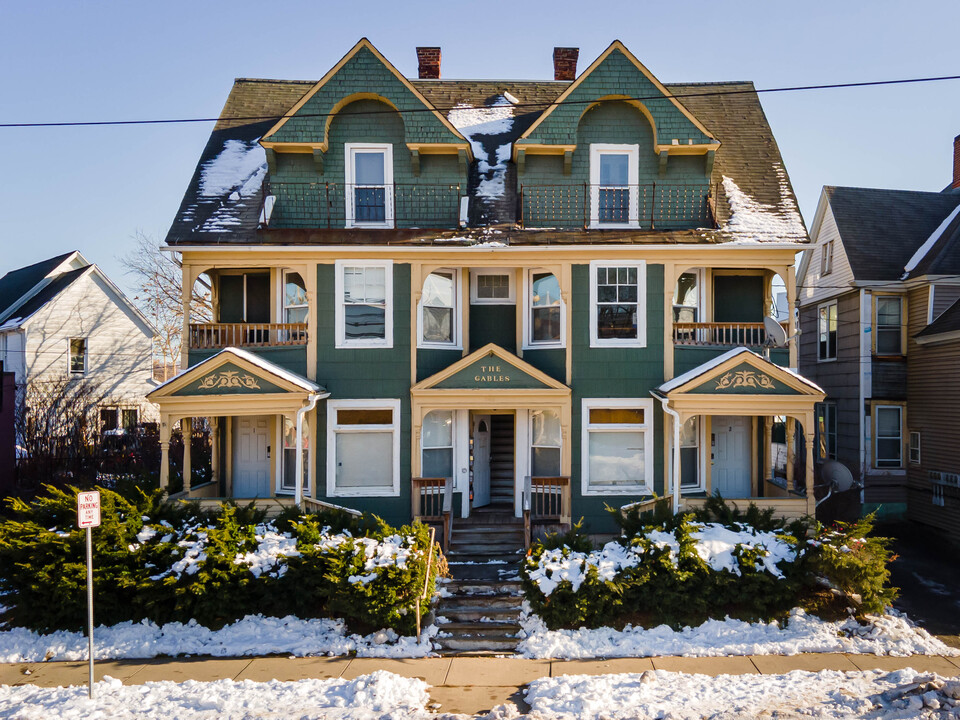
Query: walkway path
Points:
[459, 684]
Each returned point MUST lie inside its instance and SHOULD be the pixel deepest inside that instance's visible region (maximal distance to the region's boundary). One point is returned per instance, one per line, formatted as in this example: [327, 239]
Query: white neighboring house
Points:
[64, 317]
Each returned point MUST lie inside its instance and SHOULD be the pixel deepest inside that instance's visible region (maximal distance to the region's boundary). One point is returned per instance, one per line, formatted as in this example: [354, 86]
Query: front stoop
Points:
[481, 613]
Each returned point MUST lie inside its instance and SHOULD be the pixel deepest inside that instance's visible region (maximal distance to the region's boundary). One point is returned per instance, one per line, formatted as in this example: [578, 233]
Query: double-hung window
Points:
[686, 298]
[618, 304]
[915, 447]
[78, 356]
[364, 297]
[363, 448]
[613, 185]
[888, 436]
[491, 287]
[369, 184]
[288, 478]
[439, 317]
[295, 307]
[826, 258]
[544, 310]
[436, 445]
[827, 331]
[826, 431]
[546, 440]
[617, 446]
[690, 454]
[889, 325]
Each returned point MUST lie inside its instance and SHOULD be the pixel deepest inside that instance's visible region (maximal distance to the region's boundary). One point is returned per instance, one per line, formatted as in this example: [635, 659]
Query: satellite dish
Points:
[837, 476]
[776, 335]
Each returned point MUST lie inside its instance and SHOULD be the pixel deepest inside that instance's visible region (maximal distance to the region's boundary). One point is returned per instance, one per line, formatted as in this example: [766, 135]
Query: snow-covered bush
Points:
[171, 562]
[684, 569]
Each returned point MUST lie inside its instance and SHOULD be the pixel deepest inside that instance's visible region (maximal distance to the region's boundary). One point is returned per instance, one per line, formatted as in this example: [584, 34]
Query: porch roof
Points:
[727, 361]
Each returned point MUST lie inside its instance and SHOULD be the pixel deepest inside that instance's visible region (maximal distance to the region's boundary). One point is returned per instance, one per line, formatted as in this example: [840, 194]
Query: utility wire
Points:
[537, 105]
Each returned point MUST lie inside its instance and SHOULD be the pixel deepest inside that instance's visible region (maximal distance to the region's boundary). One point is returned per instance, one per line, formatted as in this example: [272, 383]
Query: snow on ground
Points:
[827, 694]
[753, 221]
[253, 635]
[891, 634]
[378, 695]
[478, 123]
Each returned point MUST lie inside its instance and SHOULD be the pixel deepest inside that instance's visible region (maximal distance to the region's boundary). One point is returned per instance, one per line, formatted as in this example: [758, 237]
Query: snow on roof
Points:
[234, 176]
[719, 360]
[752, 221]
[478, 123]
[929, 243]
[260, 362]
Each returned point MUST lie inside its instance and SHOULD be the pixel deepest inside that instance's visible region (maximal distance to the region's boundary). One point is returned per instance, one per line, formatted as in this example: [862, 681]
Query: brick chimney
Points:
[956, 162]
[565, 63]
[429, 61]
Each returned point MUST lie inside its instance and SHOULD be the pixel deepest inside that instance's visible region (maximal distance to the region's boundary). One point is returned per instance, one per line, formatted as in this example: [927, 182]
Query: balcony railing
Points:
[209, 336]
[660, 206]
[338, 205]
[720, 333]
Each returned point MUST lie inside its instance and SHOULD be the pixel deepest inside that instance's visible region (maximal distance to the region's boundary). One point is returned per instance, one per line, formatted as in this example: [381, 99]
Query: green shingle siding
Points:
[293, 359]
[493, 324]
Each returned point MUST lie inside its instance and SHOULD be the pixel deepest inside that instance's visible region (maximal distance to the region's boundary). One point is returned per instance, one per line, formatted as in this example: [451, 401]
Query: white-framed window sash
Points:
[624, 460]
[365, 445]
[610, 185]
[368, 180]
[543, 312]
[620, 286]
[348, 329]
[827, 331]
[440, 298]
[499, 286]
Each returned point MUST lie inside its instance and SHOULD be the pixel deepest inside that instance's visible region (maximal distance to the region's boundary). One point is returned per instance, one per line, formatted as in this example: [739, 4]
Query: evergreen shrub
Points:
[164, 561]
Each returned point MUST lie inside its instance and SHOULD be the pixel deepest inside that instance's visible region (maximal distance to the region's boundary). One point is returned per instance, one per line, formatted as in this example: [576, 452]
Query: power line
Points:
[537, 105]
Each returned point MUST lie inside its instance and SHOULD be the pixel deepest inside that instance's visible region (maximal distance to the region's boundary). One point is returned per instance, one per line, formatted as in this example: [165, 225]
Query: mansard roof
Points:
[754, 200]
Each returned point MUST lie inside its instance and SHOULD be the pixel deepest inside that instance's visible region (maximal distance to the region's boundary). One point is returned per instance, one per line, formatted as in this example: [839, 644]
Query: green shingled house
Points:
[439, 298]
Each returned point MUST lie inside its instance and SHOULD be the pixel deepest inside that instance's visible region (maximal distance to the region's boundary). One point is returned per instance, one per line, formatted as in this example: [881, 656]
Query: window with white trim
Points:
[686, 297]
[546, 443]
[915, 447]
[368, 176]
[294, 298]
[690, 476]
[78, 356]
[614, 171]
[364, 303]
[117, 420]
[436, 445]
[492, 287]
[888, 436]
[827, 331]
[889, 326]
[439, 316]
[618, 304]
[617, 446]
[363, 448]
[826, 258]
[288, 475]
[826, 430]
[545, 311]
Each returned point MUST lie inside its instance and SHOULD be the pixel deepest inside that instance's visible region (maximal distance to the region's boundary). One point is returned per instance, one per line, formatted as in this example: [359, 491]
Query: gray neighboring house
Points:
[884, 266]
[64, 317]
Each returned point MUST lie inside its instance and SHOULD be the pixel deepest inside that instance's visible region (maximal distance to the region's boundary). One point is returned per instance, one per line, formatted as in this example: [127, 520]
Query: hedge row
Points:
[683, 569]
[166, 562]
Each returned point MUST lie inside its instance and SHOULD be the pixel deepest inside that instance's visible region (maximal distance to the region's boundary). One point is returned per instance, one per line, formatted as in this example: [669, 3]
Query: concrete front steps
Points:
[481, 610]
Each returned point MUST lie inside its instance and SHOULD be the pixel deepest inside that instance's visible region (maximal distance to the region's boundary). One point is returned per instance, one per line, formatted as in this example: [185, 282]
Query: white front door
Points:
[481, 460]
[251, 461]
[730, 473]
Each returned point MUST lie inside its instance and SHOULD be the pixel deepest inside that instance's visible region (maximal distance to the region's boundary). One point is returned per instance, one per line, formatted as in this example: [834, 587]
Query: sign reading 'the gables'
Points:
[493, 372]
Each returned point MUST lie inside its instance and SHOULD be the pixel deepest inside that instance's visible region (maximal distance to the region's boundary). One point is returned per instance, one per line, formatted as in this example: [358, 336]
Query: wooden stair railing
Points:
[545, 500]
[431, 501]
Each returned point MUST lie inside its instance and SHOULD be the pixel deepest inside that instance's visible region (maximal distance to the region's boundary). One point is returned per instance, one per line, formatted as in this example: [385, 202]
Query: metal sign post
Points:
[88, 516]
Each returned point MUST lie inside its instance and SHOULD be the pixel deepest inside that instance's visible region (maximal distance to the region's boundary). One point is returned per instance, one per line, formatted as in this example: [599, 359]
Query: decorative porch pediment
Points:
[740, 372]
[493, 369]
[236, 375]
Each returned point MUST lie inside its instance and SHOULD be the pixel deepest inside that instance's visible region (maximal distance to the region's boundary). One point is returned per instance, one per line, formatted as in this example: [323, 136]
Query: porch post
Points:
[186, 429]
[164, 451]
[188, 279]
[215, 450]
[791, 320]
[228, 457]
[808, 438]
[791, 449]
[767, 447]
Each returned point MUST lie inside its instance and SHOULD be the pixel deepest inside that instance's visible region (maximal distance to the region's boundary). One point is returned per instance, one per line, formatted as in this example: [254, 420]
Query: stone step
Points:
[480, 557]
[476, 645]
[460, 614]
[492, 548]
[481, 534]
[498, 601]
[489, 589]
[484, 524]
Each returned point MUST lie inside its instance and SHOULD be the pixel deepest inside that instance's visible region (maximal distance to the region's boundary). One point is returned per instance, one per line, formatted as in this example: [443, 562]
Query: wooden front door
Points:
[481, 460]
[730, 441]
[251, 456]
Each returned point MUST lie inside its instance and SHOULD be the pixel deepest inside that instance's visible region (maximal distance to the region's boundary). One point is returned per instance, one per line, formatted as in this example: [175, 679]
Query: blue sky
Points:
[92, 188]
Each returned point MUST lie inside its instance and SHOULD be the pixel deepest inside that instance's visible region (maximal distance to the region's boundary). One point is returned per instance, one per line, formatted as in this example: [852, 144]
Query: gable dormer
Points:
[606, 143]
[353, 152]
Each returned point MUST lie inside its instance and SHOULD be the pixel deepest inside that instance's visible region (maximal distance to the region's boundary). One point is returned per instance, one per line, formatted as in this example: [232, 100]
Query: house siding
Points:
[943, 297]
[814, 287]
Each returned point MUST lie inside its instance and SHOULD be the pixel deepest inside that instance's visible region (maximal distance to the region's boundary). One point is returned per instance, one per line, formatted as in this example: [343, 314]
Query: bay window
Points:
[363, 448]
[617, 304]
[364, 303]
[617, 446]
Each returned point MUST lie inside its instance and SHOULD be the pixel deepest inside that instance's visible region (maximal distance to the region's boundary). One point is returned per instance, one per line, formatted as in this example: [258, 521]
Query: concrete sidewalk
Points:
[459, 684]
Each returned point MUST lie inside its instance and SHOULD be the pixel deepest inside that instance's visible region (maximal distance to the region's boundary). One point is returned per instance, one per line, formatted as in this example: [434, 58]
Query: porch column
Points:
[791, 449]
[791, 320]
[215, 449]
[164, 451]
[186, 429]
[767, 447]
[228, 456]
[808, 438]
[189, 277]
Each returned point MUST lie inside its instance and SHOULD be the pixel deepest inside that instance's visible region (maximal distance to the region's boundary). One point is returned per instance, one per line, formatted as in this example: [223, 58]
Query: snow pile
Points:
[891, 634]
[253, 635]
[271, 547]
[716, 544]
[377, 695]
[826, 694]
[753, 221]
[485, 128]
